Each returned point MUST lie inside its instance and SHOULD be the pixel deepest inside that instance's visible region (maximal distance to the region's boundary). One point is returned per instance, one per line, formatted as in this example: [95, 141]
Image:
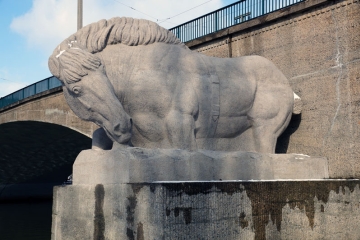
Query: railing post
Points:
[263, 7]
[216, 21]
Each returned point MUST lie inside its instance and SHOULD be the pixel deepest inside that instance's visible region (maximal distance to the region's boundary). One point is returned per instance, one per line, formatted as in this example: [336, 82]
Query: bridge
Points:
[315, 43]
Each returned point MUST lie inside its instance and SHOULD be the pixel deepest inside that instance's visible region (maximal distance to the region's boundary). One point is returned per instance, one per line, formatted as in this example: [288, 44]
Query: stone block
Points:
[124, 165]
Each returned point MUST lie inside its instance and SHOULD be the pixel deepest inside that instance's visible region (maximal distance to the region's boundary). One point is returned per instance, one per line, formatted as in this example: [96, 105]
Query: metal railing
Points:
[228, 16]
[35, 88]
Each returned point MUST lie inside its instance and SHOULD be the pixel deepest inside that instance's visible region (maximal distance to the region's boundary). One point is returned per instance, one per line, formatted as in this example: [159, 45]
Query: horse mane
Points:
[95, 37]
[129, 31]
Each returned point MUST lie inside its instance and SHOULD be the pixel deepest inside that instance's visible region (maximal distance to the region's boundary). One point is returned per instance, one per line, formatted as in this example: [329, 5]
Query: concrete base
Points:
[327, 209]
[124, 165]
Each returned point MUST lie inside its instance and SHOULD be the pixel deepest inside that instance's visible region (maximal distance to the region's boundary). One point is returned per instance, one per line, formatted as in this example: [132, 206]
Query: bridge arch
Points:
[40, 138]
[35, 152]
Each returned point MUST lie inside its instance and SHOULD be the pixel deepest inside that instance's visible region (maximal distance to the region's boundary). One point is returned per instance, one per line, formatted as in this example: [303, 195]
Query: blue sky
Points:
[31, 29]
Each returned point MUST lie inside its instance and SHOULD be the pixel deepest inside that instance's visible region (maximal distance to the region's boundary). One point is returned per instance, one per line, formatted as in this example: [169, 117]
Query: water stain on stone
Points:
[152, 188]
[186, 213]
[189, 188]
[99, 219]
[136, 187]
[130, 234]
[243, 223]
[168, 211]
[203, 188]
[176, 212]
[269, 198]
[140, 232]
[130, 211]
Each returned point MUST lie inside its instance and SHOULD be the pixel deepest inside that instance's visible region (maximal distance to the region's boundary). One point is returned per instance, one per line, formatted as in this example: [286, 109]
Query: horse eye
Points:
[76, 90]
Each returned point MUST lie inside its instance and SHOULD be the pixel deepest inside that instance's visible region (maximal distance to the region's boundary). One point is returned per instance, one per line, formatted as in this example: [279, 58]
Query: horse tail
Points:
[298, 104]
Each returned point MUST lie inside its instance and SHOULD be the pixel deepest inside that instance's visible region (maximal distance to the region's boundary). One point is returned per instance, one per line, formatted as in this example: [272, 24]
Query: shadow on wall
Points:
[284, 139]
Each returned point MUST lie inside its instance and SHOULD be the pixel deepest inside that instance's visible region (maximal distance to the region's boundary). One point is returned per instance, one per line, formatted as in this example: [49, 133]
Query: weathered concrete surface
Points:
[318, 50]
[208, 210]
[124, 165]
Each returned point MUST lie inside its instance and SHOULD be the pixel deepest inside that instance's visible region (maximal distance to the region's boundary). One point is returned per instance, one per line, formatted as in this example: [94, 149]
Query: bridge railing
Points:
[228, 16]
[35, 88]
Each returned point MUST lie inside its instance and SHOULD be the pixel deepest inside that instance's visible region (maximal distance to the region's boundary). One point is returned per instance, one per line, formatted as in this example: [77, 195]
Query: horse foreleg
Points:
[180, 129]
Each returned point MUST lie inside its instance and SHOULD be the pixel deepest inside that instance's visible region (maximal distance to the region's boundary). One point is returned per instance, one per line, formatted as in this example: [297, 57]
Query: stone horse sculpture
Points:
[145, 88]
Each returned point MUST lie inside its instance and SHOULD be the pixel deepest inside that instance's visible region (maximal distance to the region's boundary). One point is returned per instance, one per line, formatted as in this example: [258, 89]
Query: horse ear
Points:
[102, 68]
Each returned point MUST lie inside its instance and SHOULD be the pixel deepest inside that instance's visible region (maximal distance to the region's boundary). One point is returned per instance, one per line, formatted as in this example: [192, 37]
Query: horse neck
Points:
[119, 65]
[122, 60]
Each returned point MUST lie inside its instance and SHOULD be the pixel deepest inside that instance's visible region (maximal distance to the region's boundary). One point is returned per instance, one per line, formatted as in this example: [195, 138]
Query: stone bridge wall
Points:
[49, 106]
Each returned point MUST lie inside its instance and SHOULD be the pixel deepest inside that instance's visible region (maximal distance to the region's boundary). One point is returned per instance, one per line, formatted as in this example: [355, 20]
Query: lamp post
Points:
[80, 14]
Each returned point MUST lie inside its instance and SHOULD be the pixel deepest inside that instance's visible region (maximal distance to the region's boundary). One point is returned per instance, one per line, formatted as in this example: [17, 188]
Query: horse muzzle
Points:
[122, 131]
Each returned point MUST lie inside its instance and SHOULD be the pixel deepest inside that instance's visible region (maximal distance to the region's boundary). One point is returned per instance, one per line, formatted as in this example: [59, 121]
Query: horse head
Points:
[87, 88]
[89, 92]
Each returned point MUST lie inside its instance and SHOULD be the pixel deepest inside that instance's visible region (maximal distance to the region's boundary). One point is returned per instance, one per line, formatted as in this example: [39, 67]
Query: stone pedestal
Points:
[139, 193]
[134, 165]
[327, 209]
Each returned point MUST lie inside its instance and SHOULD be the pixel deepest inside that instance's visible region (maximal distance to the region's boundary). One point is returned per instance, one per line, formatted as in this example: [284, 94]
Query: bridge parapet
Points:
[233, 14]
[29, 91]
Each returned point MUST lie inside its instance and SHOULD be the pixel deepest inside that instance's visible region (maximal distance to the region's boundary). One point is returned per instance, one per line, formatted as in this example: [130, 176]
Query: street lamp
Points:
[80, 14]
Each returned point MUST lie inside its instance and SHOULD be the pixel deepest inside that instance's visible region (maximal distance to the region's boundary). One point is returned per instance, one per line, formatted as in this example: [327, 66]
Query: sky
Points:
[31, 29]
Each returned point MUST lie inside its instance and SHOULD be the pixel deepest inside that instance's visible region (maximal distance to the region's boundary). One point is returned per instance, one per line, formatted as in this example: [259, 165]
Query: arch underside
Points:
[38, 152]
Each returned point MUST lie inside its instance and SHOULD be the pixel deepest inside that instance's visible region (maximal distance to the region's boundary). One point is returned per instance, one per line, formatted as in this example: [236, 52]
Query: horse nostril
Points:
[120, 129]
[131, 123]
[117, 128]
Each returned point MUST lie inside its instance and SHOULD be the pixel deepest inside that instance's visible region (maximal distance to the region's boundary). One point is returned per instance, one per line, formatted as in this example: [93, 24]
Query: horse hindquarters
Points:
[272, 108]
[265, 131]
